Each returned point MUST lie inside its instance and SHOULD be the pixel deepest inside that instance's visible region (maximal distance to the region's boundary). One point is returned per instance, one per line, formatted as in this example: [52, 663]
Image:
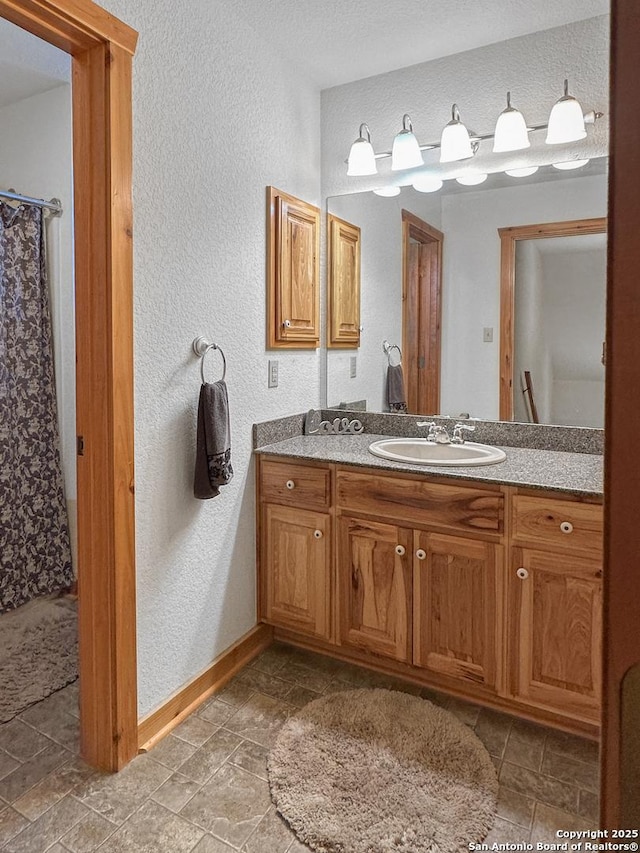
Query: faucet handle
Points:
[431, 435]
[426, 423]
[457, 432]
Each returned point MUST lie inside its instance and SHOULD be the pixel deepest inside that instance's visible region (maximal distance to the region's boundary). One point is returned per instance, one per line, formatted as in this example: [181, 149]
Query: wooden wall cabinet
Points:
[343, 284]
[293, 272]
[491, 593]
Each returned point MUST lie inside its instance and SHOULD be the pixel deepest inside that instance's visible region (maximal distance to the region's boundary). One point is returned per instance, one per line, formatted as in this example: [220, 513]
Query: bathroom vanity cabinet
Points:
[489, 592]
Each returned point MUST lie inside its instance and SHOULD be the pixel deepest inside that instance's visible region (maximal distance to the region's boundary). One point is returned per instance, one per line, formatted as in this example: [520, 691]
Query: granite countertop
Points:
[573, 473]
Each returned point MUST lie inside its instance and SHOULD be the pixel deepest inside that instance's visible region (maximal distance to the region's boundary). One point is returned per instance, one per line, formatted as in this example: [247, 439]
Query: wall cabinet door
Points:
[455, 618]
[343, 292]
[297, 569]
[375, 587]
[294, 272]
[555, 631]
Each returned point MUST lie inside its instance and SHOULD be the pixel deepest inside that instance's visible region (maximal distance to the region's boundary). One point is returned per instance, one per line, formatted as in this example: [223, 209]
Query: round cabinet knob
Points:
[287, 324]
[291, 484]
[400, 550]
[523, 574]
[566, 527]
[318, 534]
[421, 554]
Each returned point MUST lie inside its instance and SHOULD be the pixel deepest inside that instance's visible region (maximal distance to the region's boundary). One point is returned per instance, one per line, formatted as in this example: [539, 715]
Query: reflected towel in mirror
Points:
[396, 396]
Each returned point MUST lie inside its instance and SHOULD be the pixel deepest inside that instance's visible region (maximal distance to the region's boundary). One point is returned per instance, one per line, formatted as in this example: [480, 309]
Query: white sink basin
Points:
[419, 451]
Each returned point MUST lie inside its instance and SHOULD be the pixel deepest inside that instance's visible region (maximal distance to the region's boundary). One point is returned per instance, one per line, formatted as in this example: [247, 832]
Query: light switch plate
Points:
[353, 366]
[487, 335]
[273, 373]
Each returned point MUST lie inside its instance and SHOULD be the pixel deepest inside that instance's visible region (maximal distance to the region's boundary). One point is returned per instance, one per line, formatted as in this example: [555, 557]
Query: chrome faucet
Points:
[437, 434]
[458, 429]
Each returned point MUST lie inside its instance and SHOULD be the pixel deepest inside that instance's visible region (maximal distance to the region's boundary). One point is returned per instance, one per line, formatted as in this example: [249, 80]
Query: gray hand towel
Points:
[213, 448]
[396, 396]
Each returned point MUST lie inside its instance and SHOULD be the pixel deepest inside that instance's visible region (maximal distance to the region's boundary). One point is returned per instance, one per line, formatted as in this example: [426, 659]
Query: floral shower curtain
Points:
[35, 552]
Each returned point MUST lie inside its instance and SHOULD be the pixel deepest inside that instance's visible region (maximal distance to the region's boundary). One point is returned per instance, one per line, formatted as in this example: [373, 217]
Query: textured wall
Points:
[216, 119]
[35, 159]
[532, 67]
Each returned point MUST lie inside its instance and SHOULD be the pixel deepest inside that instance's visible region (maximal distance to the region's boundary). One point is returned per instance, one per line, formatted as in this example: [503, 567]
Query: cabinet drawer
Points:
[419, 502]
[569, 525]
[295, 485]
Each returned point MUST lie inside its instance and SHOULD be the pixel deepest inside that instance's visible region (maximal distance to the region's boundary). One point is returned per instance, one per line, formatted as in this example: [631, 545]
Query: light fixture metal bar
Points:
[590, 117]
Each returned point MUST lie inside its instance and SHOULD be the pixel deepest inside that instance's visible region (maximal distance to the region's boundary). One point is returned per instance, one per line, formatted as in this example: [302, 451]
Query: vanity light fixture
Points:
[406, 152]
[566, 122]
[524, 172]
[472, 179]
[387, 192]
[511, 133]
[427, 183]
[570, 164]
[362, 160]
[455, 143]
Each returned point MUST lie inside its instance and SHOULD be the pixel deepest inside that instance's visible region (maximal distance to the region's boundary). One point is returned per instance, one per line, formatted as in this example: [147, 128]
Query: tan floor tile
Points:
[231, 805]
[64, 729]
[194, 730]
[252, 757]
[87, 835]
[261, 682]
[64, 701]
[20, 740]
[7, 764]
[589, 806]
[117, 796]
[300, 696]
[493, 729]
[525, 745]
[205, 761]
[504, 832]
[271, 834]
[543, 788]
[272, 660]
[172, 751]
[312, 679]
[50, 827]
[234, 693]
[548, 820]
[516, 808]
[16, 783]
[314, 661]
[434, 696]
[215, 711]
[569, 770]
[53, 788]
[572, 746]
[11, 823]
[298, 847]
[209, 844]
[57, 848]
[466, 712]
[176, 792]
[259, 719]
[154, 829]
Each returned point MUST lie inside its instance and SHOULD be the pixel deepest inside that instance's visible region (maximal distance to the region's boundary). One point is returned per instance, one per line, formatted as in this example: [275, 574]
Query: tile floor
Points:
[203, 789]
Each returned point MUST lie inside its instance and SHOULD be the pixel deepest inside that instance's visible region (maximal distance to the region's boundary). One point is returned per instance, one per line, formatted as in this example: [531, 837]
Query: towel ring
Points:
[201, 347]
[389, 348]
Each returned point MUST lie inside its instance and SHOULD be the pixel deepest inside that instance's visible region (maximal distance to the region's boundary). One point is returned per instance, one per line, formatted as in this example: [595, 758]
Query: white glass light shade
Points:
[472, 179]
[511, 132]
[570, 164]
[406, 153]
[427, 183]
[566, 122]
[387, 192]
[522, 173]
[362, 160]
[455, 143]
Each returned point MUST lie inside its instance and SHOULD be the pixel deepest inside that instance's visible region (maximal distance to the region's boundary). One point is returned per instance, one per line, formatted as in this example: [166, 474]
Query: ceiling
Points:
[28, 65]
[332, 42]
[335, 42]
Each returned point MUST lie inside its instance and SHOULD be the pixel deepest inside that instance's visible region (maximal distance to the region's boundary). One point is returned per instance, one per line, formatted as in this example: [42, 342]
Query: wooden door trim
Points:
[102, 48]
[508, 239]
[620, 777]
[418, 229]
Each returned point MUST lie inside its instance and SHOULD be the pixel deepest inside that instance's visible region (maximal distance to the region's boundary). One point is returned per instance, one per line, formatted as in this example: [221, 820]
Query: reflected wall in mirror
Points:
[552, 323]
[469, 219]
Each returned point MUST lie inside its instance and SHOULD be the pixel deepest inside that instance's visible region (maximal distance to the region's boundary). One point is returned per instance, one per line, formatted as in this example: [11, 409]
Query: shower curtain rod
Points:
[54, 205]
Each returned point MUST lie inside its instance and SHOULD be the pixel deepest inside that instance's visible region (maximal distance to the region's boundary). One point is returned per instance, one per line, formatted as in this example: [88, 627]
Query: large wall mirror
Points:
[558, 294]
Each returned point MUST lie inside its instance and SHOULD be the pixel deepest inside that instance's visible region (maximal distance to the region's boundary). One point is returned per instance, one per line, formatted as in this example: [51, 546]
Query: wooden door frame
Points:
[620, 778]
[102, 48]
[509, 238]
[415, 228]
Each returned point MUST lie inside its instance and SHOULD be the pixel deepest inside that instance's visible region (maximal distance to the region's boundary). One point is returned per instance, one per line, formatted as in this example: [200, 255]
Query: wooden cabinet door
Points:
[555, 631]
[296, 567]
[294, 272]
[455, 611]
[343, 297]
[375, 587]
